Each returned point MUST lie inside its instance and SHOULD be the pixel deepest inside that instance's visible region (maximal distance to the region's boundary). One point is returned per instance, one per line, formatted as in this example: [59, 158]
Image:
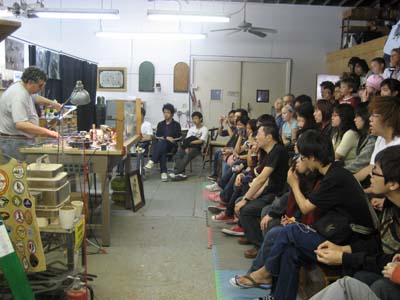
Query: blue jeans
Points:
[293, 248]
[11, 146]
[269, 241]
[217, 158]
[161, 150]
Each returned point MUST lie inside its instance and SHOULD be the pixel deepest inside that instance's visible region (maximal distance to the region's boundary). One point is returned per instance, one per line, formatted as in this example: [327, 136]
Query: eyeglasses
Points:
[373, 173]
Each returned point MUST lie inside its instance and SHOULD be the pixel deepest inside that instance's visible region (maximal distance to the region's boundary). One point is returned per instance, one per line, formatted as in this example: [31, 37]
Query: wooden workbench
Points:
[102, 163]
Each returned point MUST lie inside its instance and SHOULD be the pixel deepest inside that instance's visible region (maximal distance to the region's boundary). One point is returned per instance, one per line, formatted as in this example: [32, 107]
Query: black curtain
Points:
[72, 70]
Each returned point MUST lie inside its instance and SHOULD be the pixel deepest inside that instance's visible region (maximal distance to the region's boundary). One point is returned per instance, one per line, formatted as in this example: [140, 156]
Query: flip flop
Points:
[236, 283]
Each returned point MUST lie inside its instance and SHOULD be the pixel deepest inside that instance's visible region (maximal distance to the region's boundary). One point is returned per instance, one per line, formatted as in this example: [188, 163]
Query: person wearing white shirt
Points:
[385, 124]
[394, 70]
[146, 129]
[191, 146]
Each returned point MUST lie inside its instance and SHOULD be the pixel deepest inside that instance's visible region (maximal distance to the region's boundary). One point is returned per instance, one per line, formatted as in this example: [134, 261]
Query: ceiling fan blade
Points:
[257, 33]
[226, 29]
[262, 29]
[233, 32]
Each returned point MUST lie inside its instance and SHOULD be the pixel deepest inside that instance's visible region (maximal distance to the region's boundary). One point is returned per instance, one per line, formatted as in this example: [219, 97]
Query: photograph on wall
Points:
[216, 94]
[325, 77]
[111, 79]
[42, 59]
[14, 55]
[54, 66]
[262, 96]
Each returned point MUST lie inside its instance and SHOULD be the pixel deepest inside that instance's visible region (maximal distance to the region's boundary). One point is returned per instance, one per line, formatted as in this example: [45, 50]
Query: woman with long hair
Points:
[322, 115]
[345, 137]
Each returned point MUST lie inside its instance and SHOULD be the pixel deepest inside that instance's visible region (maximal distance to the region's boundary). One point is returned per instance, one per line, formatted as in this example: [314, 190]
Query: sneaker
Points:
[149, 164]
[221, 217]
[212, 177]
[164, 177]
[232, 222]
[172, 176]
[213, 187]
[265, 298]
[215, 197]
[216, 209]
[235, 231]
[182, 176]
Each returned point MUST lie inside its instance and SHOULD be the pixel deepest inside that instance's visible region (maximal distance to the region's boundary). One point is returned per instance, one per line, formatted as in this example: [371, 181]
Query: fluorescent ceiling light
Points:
[151, 35]
[74, 13]
[185, 16]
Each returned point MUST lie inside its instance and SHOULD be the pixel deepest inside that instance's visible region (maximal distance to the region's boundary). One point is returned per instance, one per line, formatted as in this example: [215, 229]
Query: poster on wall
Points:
[111, 79]
[54, 66]
[14, 55]
[42, 59]
[325, 77]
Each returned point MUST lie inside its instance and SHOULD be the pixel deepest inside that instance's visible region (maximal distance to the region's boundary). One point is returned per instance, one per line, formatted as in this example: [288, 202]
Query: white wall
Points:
[306, 34]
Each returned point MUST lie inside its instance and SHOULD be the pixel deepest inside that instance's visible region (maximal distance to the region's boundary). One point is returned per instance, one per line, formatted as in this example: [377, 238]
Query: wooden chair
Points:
[316, 277]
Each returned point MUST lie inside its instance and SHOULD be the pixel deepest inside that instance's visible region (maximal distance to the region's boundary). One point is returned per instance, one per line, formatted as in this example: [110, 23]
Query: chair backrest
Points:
[212, 136]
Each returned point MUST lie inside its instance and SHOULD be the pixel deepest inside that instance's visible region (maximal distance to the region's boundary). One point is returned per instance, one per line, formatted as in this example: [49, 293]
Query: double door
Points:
[225, 83]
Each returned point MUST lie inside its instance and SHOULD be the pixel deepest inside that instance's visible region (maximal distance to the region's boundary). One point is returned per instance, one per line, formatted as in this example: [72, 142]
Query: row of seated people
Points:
[169, 140]
[316, 210]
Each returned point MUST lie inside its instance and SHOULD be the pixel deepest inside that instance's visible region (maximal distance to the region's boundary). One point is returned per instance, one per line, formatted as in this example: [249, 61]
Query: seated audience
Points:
[385, 124]
[372, 88]
[146, 136]
[360, 256]
[352, 63]
[366, 142]
[305, 117]
[377, 66]
[328, 91]
[226, 151]
[347, 89]
[168, 134]
[394, 70]
[272, 178]
[289, 128]
[361, 69]
[322, 115]
[338, 94]
[341, 202]
[301, 99]
[345, 136]
[229, 122]
[278, 105]
[191, 146]
[288, 99]
[390, 87]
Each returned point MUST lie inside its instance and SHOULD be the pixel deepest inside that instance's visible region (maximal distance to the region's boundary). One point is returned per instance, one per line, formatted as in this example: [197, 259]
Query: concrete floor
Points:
[161, 251]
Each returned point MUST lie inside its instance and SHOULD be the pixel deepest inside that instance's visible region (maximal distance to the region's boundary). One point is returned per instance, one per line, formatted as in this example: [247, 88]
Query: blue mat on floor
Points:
[227, 292]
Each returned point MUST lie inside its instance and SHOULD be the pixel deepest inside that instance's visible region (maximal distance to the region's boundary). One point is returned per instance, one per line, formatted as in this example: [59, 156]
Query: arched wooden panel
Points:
[146, 77]
[181, 78]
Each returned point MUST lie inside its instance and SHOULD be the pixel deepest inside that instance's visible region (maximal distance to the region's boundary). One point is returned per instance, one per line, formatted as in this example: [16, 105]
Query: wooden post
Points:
[139, 117]
[120, 124]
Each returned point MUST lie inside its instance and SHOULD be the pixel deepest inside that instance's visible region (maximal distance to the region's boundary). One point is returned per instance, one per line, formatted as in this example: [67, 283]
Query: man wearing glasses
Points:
[19, 122]
[385, 124]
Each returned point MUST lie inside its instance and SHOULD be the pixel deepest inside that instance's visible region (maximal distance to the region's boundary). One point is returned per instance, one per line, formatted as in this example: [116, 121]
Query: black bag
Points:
[335, 227]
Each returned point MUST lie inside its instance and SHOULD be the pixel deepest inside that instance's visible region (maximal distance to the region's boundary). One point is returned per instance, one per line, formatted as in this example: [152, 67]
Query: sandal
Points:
[236, 283]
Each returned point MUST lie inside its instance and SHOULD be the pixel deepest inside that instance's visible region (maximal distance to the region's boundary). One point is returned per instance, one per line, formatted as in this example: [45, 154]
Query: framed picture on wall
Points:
[136, 192]
[111, 79]
[262, 96]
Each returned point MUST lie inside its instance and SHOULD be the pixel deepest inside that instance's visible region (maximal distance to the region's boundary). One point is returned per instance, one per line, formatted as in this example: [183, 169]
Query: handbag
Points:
[335, 227]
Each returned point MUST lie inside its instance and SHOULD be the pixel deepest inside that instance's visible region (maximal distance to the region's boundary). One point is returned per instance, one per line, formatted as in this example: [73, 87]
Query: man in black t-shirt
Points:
[296, 244]
[272, 180]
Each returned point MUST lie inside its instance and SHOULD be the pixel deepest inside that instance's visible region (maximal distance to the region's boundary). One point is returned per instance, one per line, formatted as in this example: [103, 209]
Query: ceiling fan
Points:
[245, 26]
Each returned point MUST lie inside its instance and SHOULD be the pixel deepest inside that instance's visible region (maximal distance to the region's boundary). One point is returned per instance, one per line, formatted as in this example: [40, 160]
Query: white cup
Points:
[67, 216]
[78, 208]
